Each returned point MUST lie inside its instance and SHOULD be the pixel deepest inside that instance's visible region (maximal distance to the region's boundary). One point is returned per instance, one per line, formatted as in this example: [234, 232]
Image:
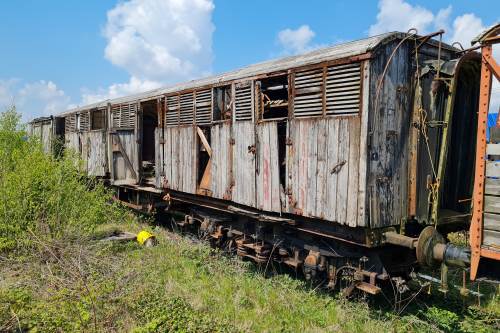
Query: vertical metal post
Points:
[478, 194]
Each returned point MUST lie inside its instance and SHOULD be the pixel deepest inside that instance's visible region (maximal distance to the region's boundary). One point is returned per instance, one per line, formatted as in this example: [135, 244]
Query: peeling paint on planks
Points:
[221, 160]
[323, 170]
[267, 179]
[244, 163]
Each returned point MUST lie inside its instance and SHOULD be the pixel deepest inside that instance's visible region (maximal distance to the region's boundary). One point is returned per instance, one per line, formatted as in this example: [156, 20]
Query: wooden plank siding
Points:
[332, 162]
[343, 172]
[244, 163]
[493, 169]
[72, 141]
[363, 144]
[159, 166]
[188, 162]
[354, 161]
[122, 172]
[98, 157]
[46, 132]
[94, 153]
[267, 172]
[491, 204]
[36, 131]
[492, 186]
[221, 177]
[180, 158]
[388, 133]
[86, 148]
[492, 222]
[168, 158]
[91, 146]
[325, 154]
[491, 216]
[42, 131]
[347, 142]
[323, 168]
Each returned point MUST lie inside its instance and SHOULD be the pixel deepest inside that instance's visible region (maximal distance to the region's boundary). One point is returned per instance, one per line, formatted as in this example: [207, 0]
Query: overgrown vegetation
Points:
[41, 195]
[57, 276]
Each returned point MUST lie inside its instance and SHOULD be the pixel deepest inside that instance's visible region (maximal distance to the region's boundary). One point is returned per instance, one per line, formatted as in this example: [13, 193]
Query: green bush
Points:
[41, 196]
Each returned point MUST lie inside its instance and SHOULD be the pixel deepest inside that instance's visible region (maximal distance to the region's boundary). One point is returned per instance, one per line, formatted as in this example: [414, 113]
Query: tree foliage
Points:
[42, 195]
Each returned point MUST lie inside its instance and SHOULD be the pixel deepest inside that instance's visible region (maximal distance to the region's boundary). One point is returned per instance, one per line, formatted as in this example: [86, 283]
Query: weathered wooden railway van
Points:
[85, 132]
[348, 142]
[47, 130]
[326, 135]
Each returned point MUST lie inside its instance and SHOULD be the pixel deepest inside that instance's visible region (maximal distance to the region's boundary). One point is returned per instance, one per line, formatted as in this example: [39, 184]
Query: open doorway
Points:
[458, 179]
[204, 163]
[149, 124]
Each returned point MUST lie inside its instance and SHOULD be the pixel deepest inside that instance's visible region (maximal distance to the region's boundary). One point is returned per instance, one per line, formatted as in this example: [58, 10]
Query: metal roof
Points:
[493, 30]
[339, 51]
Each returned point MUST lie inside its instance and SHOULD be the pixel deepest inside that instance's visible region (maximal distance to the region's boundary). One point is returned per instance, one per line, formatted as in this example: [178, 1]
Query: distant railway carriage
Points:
[47, 130]
[337, 156]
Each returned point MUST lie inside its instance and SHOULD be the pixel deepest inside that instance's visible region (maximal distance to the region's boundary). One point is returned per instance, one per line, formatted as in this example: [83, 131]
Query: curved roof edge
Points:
[340, 51]
[492, 30]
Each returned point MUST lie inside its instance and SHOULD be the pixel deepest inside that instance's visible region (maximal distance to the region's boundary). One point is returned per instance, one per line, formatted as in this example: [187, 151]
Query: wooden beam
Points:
[207, 177]
[204, 141]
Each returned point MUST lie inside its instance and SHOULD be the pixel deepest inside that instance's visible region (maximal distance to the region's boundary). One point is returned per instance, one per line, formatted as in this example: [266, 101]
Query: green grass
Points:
[57, 276]
[186, 286]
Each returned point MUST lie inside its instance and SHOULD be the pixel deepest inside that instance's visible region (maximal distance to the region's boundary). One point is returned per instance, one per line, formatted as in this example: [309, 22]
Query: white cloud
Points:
[398, 15]
[157, 42]
[296, 41]
[33, 99]
[134, 85]
[442, 19]
[466, 28]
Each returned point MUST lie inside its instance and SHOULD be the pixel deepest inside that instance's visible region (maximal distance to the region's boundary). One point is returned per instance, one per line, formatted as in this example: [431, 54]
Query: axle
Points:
[431, 248]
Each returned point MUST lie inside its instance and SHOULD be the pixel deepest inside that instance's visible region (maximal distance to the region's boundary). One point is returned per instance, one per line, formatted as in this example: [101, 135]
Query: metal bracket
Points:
[437, 123]
[337, 167]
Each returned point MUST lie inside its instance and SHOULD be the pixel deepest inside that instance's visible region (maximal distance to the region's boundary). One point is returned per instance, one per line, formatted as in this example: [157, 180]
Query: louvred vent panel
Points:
[204, 107]
[308, 100]
[343, 89]
[243, 101]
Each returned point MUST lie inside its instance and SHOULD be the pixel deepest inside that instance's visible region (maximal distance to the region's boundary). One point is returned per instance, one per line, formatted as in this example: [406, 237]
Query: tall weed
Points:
[44, 196]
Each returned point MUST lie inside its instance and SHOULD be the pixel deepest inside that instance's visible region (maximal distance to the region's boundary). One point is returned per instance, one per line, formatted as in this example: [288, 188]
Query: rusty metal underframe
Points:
[321, 259]
[361, 237]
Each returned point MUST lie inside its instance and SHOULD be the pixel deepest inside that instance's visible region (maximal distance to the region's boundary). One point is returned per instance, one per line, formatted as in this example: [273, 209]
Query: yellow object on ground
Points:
[144, 236]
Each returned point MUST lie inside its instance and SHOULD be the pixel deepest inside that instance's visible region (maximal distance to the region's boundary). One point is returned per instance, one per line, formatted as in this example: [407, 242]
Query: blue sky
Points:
[57, 54]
